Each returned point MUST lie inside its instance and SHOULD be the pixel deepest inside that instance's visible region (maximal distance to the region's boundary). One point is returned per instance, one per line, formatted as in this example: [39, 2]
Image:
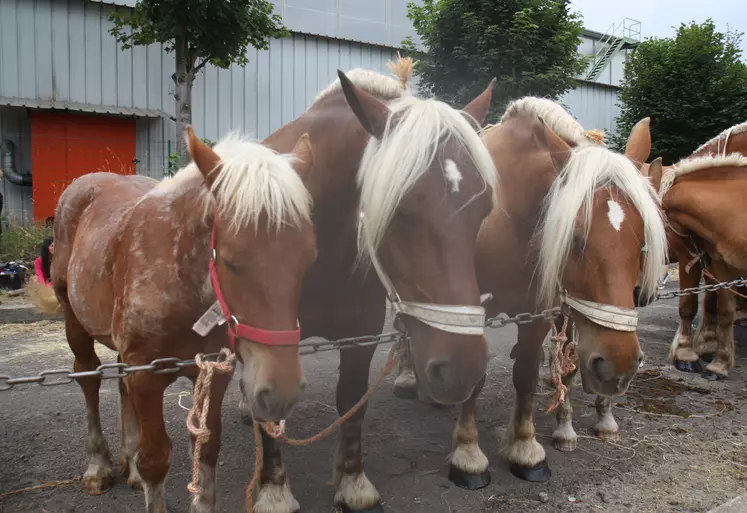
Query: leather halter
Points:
[608, 316]
[458, 319]
[237, 329]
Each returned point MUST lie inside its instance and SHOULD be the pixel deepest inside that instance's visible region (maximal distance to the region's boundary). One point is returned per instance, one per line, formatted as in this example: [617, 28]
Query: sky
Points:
[657, 17]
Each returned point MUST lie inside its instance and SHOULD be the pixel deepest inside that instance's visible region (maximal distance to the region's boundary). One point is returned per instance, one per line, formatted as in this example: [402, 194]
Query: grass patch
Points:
[22, 243]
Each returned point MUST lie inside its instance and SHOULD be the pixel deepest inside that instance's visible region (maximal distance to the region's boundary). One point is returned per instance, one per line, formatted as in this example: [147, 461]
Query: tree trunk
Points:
[184, 79]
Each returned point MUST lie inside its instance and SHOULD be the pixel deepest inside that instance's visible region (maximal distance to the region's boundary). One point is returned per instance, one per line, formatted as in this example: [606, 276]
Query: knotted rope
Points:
[563, 360]
[277, 431]
[198, 414]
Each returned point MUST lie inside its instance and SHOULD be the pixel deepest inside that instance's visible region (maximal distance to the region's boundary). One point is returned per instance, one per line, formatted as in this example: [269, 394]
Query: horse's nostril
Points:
[597, 367]
[640, 360]
[438, 373]
[263, 397]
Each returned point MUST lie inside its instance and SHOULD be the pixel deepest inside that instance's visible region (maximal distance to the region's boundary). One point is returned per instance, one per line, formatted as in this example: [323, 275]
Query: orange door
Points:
[65, 146]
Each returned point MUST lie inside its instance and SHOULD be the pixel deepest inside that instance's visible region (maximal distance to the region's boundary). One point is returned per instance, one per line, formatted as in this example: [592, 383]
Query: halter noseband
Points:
[235, 328]
[608, 316]
[458, 319]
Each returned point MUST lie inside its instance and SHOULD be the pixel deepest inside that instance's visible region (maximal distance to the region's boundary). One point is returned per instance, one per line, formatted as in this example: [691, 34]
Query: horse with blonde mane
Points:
[138, 262]
[698, 193]
[400, 187]
[576, 227]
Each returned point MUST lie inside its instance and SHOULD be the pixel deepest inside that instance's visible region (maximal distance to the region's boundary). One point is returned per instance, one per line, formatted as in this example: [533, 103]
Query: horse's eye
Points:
[230, 266]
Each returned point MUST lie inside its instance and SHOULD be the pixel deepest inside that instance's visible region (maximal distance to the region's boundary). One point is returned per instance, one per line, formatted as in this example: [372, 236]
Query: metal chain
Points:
[703, 288]
[56, 377]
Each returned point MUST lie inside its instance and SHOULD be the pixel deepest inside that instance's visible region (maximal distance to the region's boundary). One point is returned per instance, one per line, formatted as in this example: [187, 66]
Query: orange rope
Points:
[278, 432]
[562, 362]
[197, 417]
[712, 277]
[50, 484]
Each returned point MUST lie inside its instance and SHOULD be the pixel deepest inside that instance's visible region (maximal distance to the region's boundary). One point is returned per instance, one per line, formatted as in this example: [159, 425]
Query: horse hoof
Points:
[565, 445]
[707, 357]
[405, 393]
[439, 406]
[468, 481]
[373, 509]
[96, 485]
[538, 474]
[691, 367]
[712, 376]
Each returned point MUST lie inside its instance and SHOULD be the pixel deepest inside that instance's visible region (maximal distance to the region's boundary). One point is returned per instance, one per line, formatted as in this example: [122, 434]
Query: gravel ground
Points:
[682, 448]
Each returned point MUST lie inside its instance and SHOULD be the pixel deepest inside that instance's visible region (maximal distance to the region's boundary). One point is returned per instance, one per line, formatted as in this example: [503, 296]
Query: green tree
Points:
[692, 85]
[530, 46]
[199, 32]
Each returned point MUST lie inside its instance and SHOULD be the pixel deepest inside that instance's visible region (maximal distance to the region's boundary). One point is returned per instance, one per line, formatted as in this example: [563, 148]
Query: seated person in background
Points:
[43, 263]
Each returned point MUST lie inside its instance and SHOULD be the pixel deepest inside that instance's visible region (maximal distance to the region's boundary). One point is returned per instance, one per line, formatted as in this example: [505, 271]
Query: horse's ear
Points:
[370, 111]
[304, 157]
[655, 172]
[479, 107]
[638, 147]
[547, 139]
[204, 157]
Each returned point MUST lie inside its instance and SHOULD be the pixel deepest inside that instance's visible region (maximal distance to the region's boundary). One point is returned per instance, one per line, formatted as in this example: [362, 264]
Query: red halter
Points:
[239, 330]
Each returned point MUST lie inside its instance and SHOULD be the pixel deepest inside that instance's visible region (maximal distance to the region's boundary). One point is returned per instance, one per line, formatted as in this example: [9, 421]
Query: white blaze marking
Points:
[616, 214]
[453, 175]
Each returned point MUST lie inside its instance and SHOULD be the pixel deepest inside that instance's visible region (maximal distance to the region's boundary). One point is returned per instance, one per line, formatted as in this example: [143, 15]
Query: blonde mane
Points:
[253, 179]
[723, 137]
[694, 164]
[590, 168]
[390, 167]
[557, 119]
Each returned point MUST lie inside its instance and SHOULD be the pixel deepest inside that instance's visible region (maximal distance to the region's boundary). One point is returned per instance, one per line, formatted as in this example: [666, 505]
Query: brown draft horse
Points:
[577, 218]
[699, 194]
[131, 272]
[419, 174]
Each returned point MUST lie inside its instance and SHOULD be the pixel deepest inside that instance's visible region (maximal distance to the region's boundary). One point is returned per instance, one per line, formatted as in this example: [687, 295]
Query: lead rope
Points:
[563, 360]
[197, 417]
[277, 431]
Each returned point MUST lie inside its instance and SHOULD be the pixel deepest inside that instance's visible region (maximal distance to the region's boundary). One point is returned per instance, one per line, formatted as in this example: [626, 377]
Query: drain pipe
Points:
[7, 164]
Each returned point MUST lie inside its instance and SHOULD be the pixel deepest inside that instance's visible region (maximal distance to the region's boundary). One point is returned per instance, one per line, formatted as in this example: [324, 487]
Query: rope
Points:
[197, 417]
[563, 360]
[40, 486]
[277, 431]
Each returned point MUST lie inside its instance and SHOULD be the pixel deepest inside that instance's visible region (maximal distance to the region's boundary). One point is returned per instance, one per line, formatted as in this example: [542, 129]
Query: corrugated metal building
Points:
[57, 57]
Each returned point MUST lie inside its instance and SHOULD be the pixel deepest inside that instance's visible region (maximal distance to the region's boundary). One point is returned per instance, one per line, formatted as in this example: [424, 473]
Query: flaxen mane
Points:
[253, 179]
[590, 168]
[722, 139]
[691, 165]
[557, 119]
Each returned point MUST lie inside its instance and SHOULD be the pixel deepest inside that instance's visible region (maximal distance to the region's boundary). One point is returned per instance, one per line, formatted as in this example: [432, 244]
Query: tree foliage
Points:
[530, 46]
[198, 32]
[692, 85]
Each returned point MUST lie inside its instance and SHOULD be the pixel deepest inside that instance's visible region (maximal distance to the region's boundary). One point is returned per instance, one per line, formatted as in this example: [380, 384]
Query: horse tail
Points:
[595, 136]
[402, 69]
[39, 290]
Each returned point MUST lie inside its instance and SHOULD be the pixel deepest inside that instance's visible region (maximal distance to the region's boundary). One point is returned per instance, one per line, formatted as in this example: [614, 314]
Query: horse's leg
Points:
[564, 437]
[128, 433]
[355, 492]
[153, 458]
[606, 427]
[705, 340]
[205, 501]
[525, 455]
[681, 353]
[99, 476]
[274, 490]
[468, 465]
[723, 360]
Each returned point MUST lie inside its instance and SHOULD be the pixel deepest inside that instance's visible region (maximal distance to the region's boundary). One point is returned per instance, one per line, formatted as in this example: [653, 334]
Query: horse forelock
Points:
[253, 179]
[390, 167]
[588, 170]
[555, 116]
[695, 164]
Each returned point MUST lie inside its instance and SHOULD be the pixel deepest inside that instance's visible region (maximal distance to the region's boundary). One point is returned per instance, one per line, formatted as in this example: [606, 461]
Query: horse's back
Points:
[87, 225]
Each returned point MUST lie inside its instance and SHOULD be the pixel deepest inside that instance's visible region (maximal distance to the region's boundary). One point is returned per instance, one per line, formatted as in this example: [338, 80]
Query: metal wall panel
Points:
[594, 105]
[16, 127]
[61, 50]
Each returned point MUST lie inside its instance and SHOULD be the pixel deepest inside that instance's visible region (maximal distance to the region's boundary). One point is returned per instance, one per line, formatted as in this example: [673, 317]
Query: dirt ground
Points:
[683, 445]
